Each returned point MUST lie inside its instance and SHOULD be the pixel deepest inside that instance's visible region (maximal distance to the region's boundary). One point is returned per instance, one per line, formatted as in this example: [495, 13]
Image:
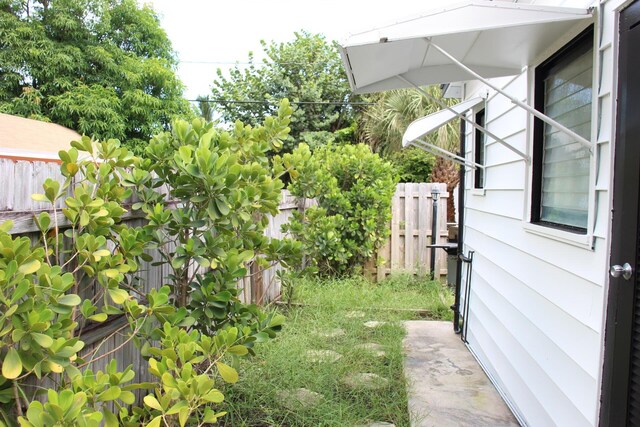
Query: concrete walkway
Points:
[447, 387]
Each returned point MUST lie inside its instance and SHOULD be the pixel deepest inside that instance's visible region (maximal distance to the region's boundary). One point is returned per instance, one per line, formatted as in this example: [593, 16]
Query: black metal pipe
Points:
[461, 184]
[434, 230]
[467, 294]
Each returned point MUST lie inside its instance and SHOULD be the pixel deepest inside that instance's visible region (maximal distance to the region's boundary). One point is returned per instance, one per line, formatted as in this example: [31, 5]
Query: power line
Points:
[259, 63]
[237, 101]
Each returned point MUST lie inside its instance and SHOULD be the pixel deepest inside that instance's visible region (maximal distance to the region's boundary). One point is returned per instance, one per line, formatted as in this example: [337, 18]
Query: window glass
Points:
[479, 156]
[563, 163]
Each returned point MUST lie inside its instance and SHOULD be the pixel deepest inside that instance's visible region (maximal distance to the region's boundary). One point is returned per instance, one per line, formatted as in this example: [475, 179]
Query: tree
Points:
[353, 188]
[204, 107]
[384, 123]
[102, 67]
[307, 70]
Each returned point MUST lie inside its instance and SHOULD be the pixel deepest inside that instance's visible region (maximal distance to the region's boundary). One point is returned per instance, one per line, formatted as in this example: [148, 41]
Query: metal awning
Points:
[424, 126]
[477, 39]
[492, 38]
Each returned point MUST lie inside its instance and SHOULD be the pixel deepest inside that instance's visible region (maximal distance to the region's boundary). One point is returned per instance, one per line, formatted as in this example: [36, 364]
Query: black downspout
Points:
[461, 185]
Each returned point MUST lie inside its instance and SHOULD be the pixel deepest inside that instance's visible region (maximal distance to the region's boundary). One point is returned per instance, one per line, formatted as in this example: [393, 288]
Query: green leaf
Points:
[109, 394]
[227, 373]
[127, 397]
[155, 422]
[84, 219]
[100, 317]
[111, 273]
[238, 350]
[110, 420]
[185, 153]
[118, 295]
[262, 337]
[213, 396]
[6, 226]
[183, 416]
[44, 220]
[177, 407]
[20, 291]
[70, 300]
[11, 365]
[44, 341]
[72, 168]
[30, 267]
[223, 208]
[152, 403]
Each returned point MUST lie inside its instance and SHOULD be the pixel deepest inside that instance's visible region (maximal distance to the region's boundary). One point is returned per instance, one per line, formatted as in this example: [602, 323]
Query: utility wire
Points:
[259, 63]
[237, 101]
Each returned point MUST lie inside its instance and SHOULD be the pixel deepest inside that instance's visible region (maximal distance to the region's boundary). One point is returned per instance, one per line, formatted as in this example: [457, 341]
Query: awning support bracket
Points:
[462, 116]
[437, 151]
[516, 101]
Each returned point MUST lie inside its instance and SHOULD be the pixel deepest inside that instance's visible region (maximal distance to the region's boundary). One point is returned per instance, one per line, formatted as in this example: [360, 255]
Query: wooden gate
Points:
[406, 249]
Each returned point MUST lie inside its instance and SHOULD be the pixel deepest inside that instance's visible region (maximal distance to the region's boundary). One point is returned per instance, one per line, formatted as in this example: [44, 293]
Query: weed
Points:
[329, 306]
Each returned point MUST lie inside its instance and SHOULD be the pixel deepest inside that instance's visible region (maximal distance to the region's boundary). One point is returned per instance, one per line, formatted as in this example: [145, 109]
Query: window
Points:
[561, 165]
[479, 150]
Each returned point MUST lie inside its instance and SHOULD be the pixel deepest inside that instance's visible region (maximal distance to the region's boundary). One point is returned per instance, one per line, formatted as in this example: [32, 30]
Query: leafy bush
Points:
[191, 331]
[353, 188]
[413, 164]
[225, 189]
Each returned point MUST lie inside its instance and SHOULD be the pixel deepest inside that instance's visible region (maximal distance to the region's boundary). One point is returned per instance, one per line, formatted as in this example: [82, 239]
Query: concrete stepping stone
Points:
[323, 356]
[354, 314]
[372, 347]
[366, 380]
[331, 333]
[374, 324]
[299, 398]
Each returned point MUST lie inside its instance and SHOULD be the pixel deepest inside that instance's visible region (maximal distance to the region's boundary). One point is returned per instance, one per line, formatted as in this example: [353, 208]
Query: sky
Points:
[211, 34]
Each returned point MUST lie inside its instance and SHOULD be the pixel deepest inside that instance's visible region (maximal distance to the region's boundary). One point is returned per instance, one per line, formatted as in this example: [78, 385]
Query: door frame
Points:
[626, 190]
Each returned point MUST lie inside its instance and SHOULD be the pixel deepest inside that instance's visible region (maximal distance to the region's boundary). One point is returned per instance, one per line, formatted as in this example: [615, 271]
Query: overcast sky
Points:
[208, 34]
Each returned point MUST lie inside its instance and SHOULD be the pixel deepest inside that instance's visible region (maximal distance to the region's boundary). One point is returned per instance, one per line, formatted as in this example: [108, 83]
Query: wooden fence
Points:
[406, 249]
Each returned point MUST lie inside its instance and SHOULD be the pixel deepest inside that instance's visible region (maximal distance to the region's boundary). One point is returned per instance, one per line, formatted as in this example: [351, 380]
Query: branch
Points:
[16, 397]
[102, 356]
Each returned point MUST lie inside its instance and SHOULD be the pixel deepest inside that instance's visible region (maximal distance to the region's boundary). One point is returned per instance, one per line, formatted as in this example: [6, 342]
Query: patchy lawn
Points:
[331, 323]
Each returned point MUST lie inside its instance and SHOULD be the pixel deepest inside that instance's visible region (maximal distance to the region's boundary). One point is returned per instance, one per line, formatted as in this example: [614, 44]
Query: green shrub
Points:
[413, 164]
[188, 330]
[353, 188]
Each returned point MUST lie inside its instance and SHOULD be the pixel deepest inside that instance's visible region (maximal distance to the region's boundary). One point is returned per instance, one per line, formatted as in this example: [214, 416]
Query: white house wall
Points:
[537, 299]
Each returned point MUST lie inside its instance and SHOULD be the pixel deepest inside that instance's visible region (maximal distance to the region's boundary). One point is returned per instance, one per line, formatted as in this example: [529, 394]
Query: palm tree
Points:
[204, 105]
[384, 123]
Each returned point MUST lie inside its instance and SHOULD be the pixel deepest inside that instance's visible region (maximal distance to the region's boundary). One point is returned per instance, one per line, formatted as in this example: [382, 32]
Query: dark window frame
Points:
[479, 153]
[568, 52]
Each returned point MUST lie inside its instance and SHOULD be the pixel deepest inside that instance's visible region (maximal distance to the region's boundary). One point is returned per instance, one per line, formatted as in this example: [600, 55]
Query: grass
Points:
[282, 364]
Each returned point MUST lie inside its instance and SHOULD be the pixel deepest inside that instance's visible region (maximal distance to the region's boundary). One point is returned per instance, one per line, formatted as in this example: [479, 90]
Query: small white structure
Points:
[551, 108]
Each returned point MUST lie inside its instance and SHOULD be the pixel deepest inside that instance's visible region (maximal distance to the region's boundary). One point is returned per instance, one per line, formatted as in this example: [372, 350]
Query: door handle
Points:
[625, 270]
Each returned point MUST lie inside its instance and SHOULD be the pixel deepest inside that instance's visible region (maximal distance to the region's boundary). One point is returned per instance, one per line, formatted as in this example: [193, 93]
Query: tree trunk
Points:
[446, 171]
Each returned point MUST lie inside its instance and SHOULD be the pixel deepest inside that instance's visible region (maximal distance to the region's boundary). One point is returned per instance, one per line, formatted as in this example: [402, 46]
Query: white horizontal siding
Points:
[577, 297]
[506, 176]
[524, 348]
[497, 203]
[537, 304]
[517, 389]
